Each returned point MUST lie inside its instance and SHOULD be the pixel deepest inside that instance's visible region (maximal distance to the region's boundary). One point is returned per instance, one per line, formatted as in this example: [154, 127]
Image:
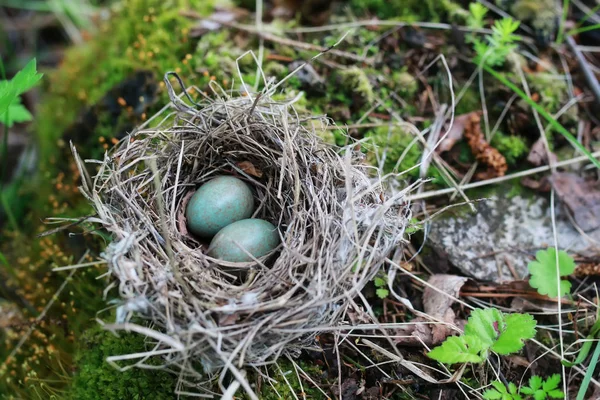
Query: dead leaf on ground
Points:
[538, 155]
[581, 197]
[250, 169]
[438, 303]
[587, 269]
[349, 389]
[541, 185]
[415, 334]
[455, 133]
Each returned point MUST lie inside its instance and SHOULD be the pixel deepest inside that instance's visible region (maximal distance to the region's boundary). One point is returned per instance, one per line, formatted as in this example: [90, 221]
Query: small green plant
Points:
[501, 392]
[542, 389]
[538, 389]
[11, 109]
[380, 282]
[493, 50]
[487, 329]
[477, 13]
[543, 272]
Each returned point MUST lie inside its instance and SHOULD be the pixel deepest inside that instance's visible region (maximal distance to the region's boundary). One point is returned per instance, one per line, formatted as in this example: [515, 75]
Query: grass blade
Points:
[589, 374]
[555, 124]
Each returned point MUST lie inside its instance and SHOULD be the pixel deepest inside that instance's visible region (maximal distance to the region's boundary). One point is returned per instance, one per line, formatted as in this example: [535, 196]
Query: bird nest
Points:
[337, 226]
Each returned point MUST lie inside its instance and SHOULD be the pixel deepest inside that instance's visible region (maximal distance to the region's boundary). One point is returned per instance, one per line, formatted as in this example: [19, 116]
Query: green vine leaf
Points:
[543, 272]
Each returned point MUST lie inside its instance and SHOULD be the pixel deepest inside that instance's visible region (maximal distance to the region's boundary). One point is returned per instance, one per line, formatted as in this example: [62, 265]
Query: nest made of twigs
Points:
[336, 223]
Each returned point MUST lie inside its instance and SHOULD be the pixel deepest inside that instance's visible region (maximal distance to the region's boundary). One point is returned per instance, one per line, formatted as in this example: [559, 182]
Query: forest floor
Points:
[490, 109]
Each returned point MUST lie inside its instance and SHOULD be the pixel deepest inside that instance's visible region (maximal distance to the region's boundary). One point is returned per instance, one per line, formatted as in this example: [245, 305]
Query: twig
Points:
[504, 178]
[589, 75]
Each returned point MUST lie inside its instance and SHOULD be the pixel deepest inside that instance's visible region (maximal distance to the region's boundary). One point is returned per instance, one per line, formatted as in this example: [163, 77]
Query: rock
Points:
[505, 230]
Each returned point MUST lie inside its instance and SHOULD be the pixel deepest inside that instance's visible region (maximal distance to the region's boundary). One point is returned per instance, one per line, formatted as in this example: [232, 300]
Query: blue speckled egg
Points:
[218, 203]
[258, 237]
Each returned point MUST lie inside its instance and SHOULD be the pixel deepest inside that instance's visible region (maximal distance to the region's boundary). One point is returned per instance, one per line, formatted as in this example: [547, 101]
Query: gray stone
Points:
[505, 230]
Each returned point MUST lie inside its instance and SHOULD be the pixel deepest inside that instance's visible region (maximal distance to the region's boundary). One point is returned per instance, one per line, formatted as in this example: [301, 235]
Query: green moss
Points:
[470, 101]
[552, 91]
[285, 371]
[355, 82]
[144, 35]
[402, 152]
[541, 15]
[276, 70]
[405, 83]
[96, 379]
[512, 147]
[412, 10]
[149, 35]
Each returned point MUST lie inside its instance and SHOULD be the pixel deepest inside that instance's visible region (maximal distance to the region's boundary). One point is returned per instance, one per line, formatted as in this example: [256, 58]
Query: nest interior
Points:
[336, 222]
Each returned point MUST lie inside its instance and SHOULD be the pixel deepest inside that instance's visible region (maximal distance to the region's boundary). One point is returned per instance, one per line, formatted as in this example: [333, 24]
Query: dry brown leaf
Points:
[587, 269]
[415, 334]
[581, 197]
[455, 133]
[538, 155]
[438, 303]
[250, 169]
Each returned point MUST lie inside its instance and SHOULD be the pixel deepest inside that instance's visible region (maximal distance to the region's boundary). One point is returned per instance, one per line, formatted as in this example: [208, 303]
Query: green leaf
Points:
[483, 324]
[458, 349]
[499, 387]
[556, 394]
[543, 272]
[10, 91]
[516, 329]
[527, 390]
[382, 293]
[500, 392]
[491, 394]
[535, 382]
[551, 383]
[26, 78]
[16, 113]
[7, 95]
[379, 282]
[539, 395]
[486, 328]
